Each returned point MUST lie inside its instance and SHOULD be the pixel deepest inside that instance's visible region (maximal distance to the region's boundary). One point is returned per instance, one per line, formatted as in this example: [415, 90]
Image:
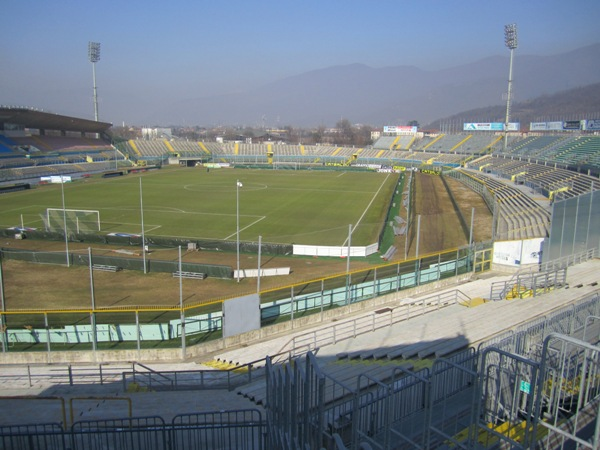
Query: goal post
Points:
[74, 220]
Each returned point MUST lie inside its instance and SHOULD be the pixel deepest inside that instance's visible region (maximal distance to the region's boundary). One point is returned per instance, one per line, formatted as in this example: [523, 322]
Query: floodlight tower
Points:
[510, 40]
[94, 57]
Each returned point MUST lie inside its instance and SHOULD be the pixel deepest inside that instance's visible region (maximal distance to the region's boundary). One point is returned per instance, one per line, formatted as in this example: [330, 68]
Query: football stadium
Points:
[428, 291]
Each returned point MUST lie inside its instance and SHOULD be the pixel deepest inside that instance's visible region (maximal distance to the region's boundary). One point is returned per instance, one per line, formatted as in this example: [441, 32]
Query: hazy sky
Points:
[158, 53]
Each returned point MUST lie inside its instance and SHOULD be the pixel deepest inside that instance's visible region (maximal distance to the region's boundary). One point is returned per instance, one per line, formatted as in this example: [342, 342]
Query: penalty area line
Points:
[367, 208]
[246, 227]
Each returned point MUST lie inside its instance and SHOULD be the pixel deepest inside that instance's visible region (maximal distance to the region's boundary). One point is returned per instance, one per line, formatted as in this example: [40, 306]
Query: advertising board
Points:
[554, 126]
[516, 253]
[57, 179]
[490, 126]
[538, 126]
[572, 125]
[393, 129]
[592, 124]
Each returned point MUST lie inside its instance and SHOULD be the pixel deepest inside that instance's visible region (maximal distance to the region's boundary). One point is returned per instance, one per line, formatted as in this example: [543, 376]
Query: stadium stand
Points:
[436, 369]
[385, 142]
[405, 142]
[422, 143]
[152, 148]
[533, 146]
[580, 150]
[518, 216]
[447, 143]
[545, 179]
[42, 144]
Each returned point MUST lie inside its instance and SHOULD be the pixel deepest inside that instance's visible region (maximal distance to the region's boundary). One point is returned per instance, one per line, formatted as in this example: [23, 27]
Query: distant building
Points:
[157, 133]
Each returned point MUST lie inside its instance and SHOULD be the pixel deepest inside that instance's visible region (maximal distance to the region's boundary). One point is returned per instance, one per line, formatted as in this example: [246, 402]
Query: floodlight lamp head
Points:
[94, 51]
[510, 36]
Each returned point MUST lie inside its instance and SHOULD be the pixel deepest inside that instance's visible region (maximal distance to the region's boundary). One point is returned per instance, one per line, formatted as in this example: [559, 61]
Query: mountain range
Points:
[391, 95]
[571, 104]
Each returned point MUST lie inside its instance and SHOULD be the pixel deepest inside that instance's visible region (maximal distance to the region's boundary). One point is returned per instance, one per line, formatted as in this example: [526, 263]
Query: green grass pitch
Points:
[302, 207]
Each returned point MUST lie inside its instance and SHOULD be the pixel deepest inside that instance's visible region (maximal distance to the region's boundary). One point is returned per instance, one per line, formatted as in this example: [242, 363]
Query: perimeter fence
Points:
[134, 241]
[147, 327]
[238, 429]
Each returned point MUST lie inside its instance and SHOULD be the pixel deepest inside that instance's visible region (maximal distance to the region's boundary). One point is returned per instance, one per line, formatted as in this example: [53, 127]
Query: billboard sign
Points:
[554, 126]
[572, 125]
[485, 126]
[592, 124]
[538, 126]
[516, 253]
[58, 179]
[392, 129]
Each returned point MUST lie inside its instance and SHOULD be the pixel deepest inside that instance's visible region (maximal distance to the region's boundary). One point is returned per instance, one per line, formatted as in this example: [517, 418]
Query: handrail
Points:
[69, 374]
[148, 371]
[499, 290]
[216, 376]
[569, 260]
[339, 331]
[510, 282]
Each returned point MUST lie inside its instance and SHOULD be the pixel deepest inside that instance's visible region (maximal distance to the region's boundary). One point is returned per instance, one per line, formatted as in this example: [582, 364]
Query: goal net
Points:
[74, 220]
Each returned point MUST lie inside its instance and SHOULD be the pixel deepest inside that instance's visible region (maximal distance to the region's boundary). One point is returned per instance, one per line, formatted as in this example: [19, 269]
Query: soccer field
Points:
[302, 207]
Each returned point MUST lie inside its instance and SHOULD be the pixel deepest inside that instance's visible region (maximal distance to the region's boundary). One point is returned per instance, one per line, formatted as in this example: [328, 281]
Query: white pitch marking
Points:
[246, 227]
[367, 208]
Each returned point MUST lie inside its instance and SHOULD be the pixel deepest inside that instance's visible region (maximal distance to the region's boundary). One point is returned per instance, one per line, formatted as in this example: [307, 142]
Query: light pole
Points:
[94, 57]
[62, 192]
[510, 40]
[238, 185]
[143, 235]
[93, 296]
[4, 339]
[181, 310]
[348, 281]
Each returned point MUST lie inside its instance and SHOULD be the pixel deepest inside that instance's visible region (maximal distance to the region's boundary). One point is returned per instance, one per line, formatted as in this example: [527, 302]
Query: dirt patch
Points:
[440, 224]
[42, 286]
[470, 204]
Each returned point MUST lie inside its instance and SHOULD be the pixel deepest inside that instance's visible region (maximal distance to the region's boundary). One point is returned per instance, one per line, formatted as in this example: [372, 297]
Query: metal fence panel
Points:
[569, 394]
[138, 433]
[574, 226]
[238, 429]
[35, 436]
[505, 413]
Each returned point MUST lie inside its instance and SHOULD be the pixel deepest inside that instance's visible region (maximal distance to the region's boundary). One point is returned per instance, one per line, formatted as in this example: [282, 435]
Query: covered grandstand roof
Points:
[31, 118]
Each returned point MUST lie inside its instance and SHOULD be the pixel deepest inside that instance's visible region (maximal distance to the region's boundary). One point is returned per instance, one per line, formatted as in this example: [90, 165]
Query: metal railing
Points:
[492, 398]
[173, 380]
[384, 317]
[529, 284]
[236, 429]
[569, 260]
[489, 399]
[64, 374]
